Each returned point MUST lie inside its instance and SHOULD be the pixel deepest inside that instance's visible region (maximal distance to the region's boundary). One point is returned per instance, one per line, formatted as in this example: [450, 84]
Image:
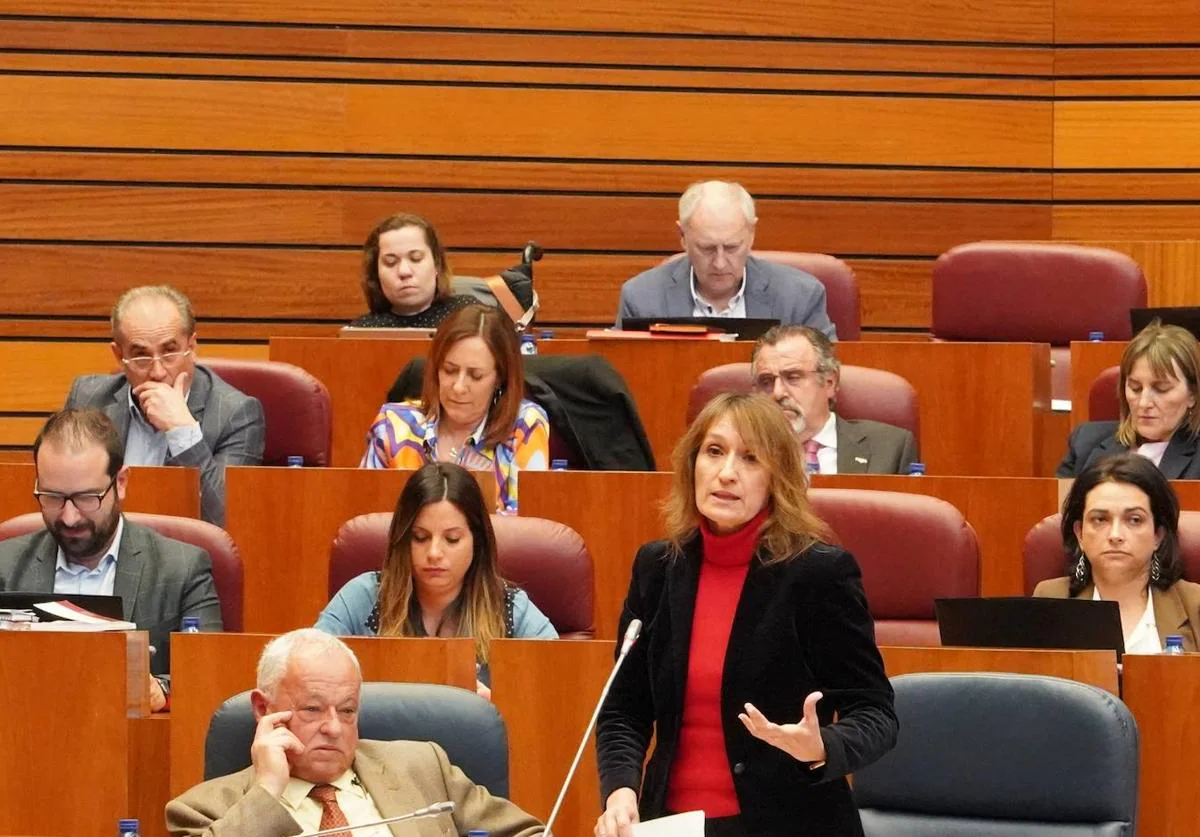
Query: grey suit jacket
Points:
[159, 580]
[231, 423]
[400, 776]
[872, 447]
[773, 291]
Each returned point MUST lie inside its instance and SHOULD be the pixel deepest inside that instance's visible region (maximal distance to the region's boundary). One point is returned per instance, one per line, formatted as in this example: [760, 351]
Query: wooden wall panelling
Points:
[1171, 268]
[1096, 668]
[1014, 21]
[174, 491]
[1150, 22]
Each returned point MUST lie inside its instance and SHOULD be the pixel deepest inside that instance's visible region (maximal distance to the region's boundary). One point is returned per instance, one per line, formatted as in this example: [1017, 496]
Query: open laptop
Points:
[1025, 622]
[109, 606]
[1186, 316]
[746, 328]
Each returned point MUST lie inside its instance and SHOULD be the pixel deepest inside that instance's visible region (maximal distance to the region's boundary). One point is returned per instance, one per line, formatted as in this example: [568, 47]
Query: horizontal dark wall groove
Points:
[539, 65]
[615, 162]
[422, 190]
[589, 33]
[524, 85]
[23, 414]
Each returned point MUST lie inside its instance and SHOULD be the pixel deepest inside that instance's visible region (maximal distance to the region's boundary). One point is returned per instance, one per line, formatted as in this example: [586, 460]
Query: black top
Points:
[801, 626]
[431, 317]
[1094, 440]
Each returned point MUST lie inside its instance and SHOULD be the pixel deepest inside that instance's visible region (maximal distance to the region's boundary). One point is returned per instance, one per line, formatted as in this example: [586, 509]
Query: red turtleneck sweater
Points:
[700, 776]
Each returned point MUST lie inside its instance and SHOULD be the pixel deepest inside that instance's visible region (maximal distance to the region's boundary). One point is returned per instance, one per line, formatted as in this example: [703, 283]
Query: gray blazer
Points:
[773, 291]
[872, 447]
[231, 423]
[159, 580]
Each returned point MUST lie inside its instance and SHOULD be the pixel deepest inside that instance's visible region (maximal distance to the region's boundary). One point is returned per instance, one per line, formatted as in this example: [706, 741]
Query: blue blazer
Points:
[773, 291]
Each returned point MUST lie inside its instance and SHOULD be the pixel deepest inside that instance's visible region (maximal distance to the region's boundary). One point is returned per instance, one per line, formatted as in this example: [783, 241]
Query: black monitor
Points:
[746, 328]
[1187, 317]
[1025, 622]
[109, 606]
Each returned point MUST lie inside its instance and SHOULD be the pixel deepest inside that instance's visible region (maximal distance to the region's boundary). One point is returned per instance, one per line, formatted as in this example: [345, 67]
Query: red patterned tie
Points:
[811, 464]
[332, 814]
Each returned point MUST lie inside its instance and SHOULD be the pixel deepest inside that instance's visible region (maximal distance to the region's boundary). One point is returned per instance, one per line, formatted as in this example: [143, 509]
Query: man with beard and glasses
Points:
[797, 368]
[88, 547]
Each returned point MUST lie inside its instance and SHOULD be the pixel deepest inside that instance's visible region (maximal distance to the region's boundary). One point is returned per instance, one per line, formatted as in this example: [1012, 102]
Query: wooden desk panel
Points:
[174, 491]
[1163, 693]
[283, 521]
[972, 423]
[149, 778]
[1096, 668]
[208, 669]
[546, 692]
[71, 698]
[1087, 361]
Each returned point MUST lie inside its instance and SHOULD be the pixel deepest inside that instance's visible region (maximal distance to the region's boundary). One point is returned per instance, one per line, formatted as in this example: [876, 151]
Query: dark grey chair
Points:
[462, 723]
[1003, 755]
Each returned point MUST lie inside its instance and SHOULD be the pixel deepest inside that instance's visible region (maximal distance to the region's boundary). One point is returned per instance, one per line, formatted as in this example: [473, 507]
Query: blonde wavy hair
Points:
[479, 608]
[1164, 347]
[791, 526]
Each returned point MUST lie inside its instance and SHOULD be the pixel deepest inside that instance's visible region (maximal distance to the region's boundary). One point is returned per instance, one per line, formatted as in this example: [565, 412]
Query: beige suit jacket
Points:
[400, 776]
[1176, 609]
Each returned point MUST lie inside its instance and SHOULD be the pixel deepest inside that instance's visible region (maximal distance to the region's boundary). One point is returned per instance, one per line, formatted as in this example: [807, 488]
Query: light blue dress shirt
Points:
[147, 445]
[77, 579]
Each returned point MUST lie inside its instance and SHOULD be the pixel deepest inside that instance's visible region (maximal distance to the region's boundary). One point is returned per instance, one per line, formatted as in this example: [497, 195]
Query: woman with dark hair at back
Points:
[440, 575]
[757, 673]
[1120, 532]
[472, 410]
[406, 276]
[1160, 376]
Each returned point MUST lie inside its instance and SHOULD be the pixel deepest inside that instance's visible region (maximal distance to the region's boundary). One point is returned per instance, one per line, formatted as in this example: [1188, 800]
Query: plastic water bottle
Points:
[1174, 645]
[295, 462]
[916, 469]
[128, 828]
[558, 465]
[191, 624]
[1096, 336]
[528, 344]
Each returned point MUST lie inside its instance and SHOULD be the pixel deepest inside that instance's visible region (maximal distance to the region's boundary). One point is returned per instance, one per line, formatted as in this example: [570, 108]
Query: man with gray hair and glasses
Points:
[310, 771]
[796, 367]
[88, 547]
[717, 276]
[168, 409]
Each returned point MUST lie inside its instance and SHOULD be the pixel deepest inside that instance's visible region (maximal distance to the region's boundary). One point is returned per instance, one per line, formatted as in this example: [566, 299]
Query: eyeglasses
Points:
[791, 378]
[85, 501]
[144, 362]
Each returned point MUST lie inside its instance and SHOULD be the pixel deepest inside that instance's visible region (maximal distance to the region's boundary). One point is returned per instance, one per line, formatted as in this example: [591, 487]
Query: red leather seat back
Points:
[1036, 293]
[1044, 556]
[863, 393]
[912, 549]
[222, 551]
[297, 408]
[548, 560]
[1104, 397]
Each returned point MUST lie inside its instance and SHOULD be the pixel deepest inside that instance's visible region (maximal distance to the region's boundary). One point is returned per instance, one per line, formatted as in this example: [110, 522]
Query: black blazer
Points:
[800, 626]
[1093, 440]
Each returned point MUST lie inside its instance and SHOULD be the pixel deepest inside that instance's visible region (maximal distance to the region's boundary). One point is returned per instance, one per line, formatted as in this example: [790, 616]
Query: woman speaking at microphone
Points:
[756, 634]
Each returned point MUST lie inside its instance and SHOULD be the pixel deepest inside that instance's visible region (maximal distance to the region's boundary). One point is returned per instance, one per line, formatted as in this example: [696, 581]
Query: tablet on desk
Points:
[1025, 622]
[746, 328]
[109, 606]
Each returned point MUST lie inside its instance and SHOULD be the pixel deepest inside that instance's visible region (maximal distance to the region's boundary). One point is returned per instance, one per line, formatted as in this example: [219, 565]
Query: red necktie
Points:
[332, 814]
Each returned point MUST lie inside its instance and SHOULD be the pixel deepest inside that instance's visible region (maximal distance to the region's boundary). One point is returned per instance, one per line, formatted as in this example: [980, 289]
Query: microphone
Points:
[631, 635]
[430, 811]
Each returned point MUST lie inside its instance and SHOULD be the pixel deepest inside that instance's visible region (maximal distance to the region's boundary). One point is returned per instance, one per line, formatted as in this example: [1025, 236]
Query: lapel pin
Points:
[861, 460]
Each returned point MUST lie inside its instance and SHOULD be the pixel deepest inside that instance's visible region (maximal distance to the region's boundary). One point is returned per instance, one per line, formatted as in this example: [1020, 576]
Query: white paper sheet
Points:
[689, 824]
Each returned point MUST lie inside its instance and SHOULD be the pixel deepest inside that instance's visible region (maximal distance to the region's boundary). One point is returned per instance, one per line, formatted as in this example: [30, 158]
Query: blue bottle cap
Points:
[916, 469]
[558, 465]
[477, 832]
[1175, 640]
[295, 461]
[547, 334]
[528, 338]
[191, 622]
[128, 825]
[1096, 336]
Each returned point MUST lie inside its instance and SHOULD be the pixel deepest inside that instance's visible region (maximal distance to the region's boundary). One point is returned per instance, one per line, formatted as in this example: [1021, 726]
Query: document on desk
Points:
[689, 824]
